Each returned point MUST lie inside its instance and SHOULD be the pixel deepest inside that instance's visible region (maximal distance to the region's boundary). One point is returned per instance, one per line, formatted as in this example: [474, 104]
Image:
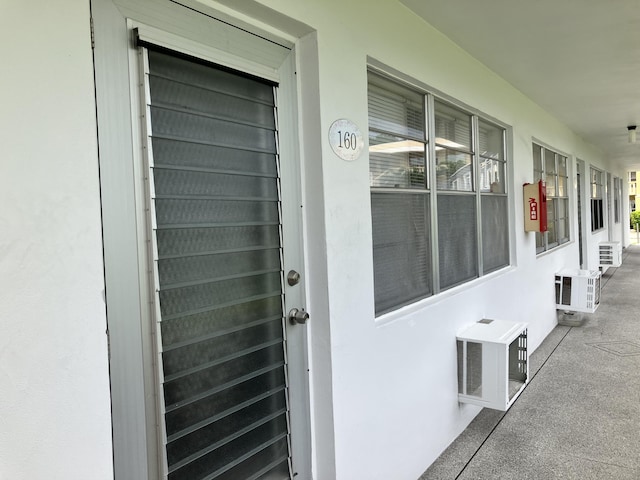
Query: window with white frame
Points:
[439, 203]
[597, 199]
[617, 189]
[551, 167]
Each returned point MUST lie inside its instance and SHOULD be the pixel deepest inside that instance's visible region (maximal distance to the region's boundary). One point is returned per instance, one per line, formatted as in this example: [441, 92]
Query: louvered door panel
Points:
[215, 185]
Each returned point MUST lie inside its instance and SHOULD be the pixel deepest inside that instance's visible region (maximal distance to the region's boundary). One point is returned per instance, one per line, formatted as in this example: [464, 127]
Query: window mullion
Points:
[430, 131]
[475, 165]
[543, 154]
[507, 168]
[554, 174]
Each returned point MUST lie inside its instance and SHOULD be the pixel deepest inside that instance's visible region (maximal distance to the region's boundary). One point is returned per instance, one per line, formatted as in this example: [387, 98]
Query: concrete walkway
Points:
[579, 417]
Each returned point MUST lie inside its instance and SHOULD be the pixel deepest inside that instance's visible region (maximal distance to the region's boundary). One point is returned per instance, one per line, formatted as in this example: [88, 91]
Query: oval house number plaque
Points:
[345, 139]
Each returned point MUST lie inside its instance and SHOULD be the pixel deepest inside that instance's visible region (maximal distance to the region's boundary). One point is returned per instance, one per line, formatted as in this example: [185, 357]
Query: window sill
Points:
[419, 305]
[553, 249]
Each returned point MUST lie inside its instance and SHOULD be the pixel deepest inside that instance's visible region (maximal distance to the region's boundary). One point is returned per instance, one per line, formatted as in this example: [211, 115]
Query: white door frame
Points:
[582, 201]
[133, 381]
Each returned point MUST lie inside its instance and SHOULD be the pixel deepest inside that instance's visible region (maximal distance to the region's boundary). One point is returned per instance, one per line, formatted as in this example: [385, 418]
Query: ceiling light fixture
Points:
[398, 147]
[632, 133]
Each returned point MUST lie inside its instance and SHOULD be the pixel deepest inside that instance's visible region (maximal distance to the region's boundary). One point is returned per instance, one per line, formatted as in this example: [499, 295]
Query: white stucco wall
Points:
[54, 407]
[394, 379]
[384, 391]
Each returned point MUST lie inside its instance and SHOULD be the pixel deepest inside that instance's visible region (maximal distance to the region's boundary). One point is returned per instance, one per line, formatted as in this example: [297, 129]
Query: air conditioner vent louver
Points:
[578, 290]
[566, 291]
[610, 254]
[493, 363]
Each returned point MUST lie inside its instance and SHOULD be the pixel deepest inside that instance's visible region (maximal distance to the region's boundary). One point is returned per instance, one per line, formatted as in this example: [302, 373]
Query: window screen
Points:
[400, 203]
[401, 248]
[460, 158]
[597, 199]
[495, 232]
[552, 167]
[457, 239]
[616, 199]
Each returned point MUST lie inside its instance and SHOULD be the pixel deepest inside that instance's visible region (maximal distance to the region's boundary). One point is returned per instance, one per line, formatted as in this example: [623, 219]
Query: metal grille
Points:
[469, 368]
[596, 290]
[518, 359]
[566, 290]
[606, 254]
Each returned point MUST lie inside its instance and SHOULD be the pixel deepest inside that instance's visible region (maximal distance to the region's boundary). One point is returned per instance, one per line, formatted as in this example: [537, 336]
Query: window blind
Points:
[401, 249]
[406, 220]
[457, 239]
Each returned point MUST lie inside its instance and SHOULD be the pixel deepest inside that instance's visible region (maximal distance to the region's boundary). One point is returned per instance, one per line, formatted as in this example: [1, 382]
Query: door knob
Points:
[293, 278]
[298, 316]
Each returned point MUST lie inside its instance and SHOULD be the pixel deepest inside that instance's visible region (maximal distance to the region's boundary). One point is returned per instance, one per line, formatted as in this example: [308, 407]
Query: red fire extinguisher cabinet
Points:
[535, 207]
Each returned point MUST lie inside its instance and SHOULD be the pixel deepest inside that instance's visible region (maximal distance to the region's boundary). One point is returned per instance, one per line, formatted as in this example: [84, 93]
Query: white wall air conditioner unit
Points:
[493, 363]
[610, 254]
[578, 290]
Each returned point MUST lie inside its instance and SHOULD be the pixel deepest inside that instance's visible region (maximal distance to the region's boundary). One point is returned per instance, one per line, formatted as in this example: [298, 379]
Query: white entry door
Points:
[229, 390]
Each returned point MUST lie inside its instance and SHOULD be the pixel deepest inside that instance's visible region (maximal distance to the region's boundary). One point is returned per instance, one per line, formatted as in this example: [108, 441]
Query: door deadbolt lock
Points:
[293, 278]
[298, 316]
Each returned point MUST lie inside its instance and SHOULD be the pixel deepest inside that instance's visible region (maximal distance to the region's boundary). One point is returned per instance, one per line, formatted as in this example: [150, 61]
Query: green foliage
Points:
[635, 218]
